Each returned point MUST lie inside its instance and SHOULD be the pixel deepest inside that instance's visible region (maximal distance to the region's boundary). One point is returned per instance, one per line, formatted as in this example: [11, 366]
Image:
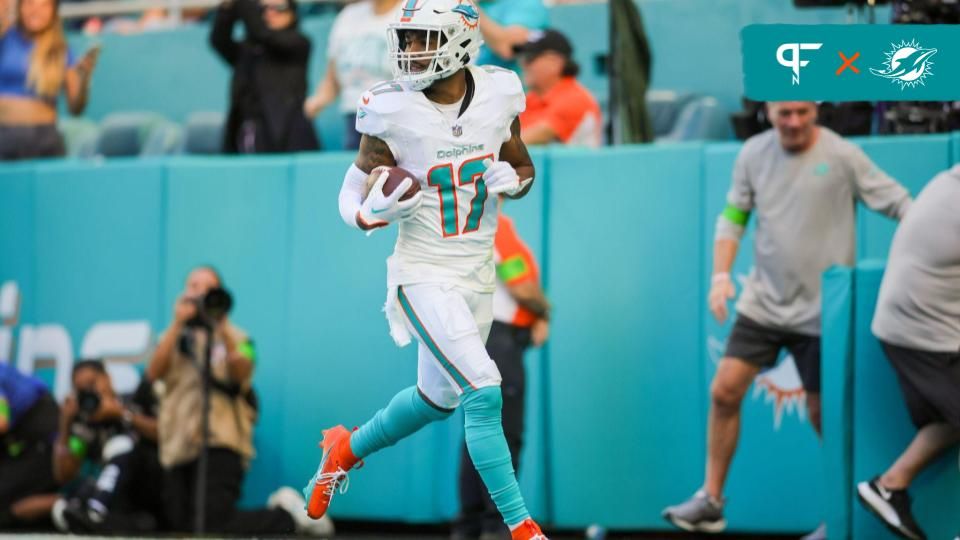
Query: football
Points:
[396, 177]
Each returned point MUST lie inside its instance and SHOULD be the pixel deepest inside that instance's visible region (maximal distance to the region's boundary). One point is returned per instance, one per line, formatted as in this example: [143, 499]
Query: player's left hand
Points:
[501, 177]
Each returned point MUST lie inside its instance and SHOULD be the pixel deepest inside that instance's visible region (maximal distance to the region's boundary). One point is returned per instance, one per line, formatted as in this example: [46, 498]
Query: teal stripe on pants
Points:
[431, 344]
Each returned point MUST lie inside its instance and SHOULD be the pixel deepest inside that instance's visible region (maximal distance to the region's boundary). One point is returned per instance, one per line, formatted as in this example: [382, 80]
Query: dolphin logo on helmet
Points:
[451, 34]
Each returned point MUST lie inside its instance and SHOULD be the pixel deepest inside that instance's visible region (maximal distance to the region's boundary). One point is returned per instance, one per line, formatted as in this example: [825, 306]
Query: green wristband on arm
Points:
[247, 351]
[735, 215]
[77, 447]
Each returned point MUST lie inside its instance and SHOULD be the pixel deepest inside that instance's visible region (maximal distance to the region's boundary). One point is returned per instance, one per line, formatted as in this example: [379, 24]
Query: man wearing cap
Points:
[803, 181]
[521, 314]
[559, 109]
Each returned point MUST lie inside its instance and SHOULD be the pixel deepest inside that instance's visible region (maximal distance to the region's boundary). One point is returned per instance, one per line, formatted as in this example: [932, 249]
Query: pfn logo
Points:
[794, 62]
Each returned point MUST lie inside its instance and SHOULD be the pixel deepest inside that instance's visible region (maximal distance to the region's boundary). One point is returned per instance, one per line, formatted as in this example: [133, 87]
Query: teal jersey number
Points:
[470, 173]
[441, 177]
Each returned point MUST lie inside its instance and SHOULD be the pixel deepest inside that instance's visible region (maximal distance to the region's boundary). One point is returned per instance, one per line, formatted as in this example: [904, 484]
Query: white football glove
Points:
[379, 210]
[500, 177]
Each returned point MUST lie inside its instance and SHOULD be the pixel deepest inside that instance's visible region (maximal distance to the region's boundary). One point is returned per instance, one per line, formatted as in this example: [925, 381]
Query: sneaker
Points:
[528, 530]
[892, 507]
[699, 514]
[290, 501]
[331, 475]
[819, 534]
[70, 516]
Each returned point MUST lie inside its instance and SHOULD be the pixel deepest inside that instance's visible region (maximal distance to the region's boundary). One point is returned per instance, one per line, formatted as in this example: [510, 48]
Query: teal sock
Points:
[406, 413]
[490, 454]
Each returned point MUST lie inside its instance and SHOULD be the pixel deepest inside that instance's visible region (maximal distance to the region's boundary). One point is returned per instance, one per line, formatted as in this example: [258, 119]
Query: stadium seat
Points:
[203, 133]
[137, 134]
[80, 136]
[702, 119]
[165, 138]
[686, 117]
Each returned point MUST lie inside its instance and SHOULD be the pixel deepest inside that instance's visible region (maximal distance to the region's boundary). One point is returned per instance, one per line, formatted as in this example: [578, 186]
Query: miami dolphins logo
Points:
[469, 14]
[907, 64]
[779, 386]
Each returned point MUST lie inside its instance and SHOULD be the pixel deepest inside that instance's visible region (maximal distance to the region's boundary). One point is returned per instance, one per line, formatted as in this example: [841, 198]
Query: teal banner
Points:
[851, 62]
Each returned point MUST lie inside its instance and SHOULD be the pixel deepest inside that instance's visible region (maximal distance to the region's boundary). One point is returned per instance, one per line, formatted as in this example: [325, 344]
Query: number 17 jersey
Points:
[450, 239]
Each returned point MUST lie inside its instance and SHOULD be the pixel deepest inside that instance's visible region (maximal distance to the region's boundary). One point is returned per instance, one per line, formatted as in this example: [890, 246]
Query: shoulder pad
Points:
[505, 81]
[377, 104]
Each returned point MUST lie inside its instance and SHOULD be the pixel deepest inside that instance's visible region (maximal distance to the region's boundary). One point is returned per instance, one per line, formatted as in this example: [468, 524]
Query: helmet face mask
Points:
[449, 33]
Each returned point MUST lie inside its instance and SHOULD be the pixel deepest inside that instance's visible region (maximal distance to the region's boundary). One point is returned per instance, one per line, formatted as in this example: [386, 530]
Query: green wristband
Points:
[735, 215]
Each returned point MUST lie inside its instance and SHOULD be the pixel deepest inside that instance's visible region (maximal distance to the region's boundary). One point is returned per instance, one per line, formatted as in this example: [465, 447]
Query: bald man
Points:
[802, 181]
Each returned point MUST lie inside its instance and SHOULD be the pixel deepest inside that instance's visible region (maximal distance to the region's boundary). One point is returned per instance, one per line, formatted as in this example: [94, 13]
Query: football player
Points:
[454, 127]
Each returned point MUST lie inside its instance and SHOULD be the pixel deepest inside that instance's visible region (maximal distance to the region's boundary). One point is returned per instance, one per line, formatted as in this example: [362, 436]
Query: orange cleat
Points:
[331, 475]
[528, 530]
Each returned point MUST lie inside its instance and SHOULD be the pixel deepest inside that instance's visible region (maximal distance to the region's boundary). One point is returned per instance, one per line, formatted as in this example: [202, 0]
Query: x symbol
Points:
[848, 63]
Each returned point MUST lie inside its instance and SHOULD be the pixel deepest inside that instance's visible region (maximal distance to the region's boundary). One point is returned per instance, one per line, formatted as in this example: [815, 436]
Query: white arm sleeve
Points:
[351, 195]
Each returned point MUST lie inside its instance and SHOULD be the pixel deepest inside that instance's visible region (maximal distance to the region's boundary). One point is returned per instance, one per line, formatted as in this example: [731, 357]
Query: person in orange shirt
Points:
[520, 318]
[559, 109]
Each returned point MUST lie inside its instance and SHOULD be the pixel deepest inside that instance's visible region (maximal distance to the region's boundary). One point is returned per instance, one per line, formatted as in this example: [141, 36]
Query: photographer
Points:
[97, 428]
[178, 363]
[28, 426]
[269, 83]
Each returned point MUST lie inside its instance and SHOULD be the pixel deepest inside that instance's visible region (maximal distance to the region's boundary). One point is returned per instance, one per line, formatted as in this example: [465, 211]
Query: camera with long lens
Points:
[88, 403]
[211, 308]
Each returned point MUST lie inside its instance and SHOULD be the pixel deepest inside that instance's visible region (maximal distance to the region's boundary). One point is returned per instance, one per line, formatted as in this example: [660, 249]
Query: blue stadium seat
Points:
[687, 117]
[702, 119]
[80, 136]
[165, 138]
[137, 134]
[204, 133]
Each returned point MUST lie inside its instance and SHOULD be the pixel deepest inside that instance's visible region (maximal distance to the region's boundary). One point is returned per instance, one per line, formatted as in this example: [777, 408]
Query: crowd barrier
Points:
[618, 400]
[867, 425]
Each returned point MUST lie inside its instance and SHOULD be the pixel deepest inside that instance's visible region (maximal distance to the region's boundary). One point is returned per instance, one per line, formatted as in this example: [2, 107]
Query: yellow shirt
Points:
[179, 421]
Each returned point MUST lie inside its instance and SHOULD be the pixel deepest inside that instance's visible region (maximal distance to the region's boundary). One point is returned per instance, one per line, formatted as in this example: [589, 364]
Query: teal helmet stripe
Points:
[409, 8]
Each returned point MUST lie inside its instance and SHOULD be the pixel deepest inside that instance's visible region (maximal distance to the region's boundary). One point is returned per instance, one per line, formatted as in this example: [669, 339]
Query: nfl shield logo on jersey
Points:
[457, 130]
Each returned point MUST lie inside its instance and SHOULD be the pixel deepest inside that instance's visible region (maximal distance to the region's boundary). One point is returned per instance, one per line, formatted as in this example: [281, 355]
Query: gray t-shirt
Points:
[919, 302]
[805, 206]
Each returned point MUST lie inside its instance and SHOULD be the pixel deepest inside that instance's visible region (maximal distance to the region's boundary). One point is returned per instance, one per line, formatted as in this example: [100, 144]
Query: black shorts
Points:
[930, 382]
[27, 142]
[760, 345]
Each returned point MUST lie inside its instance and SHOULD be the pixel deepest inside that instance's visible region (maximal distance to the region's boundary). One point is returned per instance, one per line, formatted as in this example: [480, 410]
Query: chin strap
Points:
[468, 97]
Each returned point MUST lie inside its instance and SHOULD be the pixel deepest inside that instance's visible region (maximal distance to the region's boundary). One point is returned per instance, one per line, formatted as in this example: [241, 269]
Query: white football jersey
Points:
[450, 239]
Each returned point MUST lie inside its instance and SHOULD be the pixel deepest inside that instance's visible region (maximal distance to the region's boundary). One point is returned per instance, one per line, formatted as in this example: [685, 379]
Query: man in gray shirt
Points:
[918, 323]
[803, 181]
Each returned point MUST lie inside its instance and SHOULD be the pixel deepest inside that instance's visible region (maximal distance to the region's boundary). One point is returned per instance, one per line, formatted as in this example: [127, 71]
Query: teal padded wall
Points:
[837, 394]
[625, 235]
[76, 214]
[17, 239]
[882, 428]
[912, 161]
[624, 252]
[955, 148]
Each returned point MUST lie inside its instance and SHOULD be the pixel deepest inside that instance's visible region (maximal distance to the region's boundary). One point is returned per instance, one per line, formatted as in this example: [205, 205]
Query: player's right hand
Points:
[721, 290]
[379, 210]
